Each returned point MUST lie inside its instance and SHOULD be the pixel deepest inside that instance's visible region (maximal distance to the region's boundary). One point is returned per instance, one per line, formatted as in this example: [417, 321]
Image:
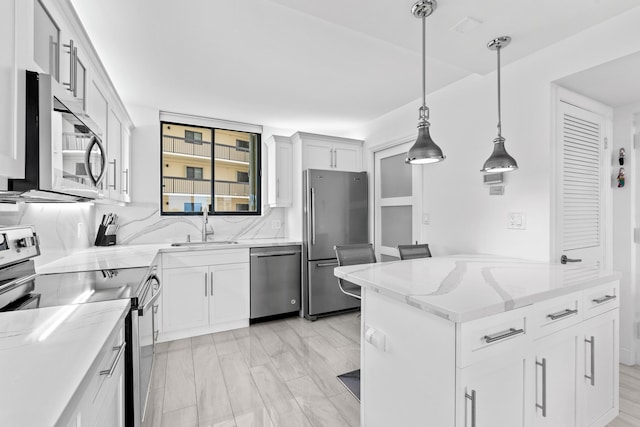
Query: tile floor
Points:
[281, 374]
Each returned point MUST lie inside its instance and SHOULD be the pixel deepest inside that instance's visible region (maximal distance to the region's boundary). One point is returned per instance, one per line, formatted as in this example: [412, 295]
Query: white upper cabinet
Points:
[330, 153]
[280, 171]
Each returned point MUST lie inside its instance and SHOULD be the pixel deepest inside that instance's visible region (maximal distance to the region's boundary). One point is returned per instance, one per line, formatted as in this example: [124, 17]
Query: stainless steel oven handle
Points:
[153, 299]
[109, 372]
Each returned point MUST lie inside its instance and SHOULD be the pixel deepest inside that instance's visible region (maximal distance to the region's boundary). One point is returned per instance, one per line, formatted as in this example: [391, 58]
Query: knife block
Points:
[103, 239]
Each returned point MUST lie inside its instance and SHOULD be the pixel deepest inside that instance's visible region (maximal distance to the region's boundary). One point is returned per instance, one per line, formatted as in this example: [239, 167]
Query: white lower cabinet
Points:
[204, 292]
[102, 401]
[554, 363]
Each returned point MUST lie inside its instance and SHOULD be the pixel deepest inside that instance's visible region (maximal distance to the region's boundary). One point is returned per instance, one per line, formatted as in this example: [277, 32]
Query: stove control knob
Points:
[4, 244]
[26, 242]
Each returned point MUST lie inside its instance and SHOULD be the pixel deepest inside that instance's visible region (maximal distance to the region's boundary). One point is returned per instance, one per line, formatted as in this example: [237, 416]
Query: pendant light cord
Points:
[499, 107]
[424, 61]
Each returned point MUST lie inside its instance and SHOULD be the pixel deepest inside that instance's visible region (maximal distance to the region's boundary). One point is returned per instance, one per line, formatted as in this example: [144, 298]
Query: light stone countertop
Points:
[131, 256]
[45, 368]
[467, 287]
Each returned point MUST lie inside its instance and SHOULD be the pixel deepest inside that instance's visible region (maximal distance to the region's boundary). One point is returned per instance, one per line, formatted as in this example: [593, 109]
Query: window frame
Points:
[212, 211]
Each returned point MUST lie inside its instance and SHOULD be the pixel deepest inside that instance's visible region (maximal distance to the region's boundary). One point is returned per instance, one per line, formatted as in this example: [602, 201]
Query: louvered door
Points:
[581, 185]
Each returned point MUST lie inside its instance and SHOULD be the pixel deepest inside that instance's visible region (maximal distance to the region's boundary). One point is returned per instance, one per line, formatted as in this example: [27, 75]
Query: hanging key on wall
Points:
[621, 177]
[621, 157]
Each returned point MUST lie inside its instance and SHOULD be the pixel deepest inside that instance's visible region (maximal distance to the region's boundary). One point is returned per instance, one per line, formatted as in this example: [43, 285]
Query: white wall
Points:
[624, 220]
[463, 217]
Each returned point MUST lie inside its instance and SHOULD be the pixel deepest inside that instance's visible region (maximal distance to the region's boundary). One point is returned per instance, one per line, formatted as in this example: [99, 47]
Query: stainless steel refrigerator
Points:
[336, 212]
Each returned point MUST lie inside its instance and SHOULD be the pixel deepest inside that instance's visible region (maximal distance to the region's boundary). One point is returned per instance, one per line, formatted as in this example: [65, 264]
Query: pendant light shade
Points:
[424, 150]
[500, 160]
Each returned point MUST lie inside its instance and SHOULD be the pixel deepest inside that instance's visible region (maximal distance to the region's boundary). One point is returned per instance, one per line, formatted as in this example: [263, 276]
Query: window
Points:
[194, 173]
[209, 166]
[193, 137]
[242, 176]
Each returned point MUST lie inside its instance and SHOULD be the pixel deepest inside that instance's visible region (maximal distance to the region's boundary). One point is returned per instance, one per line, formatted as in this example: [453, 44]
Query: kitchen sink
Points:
[211, 243]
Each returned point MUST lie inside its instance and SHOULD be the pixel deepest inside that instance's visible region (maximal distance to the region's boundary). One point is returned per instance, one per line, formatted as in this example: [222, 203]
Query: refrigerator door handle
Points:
[313, 216]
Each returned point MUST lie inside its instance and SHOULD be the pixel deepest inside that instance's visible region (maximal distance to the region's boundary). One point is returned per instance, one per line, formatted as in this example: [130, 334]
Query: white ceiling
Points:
[318, 66]
[615, 83]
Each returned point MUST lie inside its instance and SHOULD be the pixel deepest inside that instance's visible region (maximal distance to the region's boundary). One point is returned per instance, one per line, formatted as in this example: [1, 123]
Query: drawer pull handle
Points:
[604, 299]
[564, 313]
[543, 406]
[472, 398]
[109, 372]
[502, 335]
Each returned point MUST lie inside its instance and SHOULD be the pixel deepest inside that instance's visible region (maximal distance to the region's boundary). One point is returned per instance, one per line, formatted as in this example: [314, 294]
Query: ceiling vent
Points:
[467, 24]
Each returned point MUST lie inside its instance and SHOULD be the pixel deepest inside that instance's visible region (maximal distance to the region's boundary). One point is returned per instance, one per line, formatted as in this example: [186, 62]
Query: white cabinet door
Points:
[494, 393]
[280, 162]
[114, 142]
[347, 157]
[600, 379]
[229, 299]
[11, 152]
[555, 380]
[317, 156]
[185, 298]
[109, 404]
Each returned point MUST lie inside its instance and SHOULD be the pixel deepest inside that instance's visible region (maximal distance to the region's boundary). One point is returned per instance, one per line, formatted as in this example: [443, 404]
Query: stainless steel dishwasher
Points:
[275, 280]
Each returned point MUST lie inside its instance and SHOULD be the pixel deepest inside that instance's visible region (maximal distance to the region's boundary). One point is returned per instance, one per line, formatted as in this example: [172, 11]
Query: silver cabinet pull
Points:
[564, 313]
[502, 335]
[155, 336]
[543, 365]
[75, 72]
[564, 259]
[331, 158]
[276, 254]
[472, 398]
[277, 187]
[604, 299]
[71, 62]
[205, 284]
[109, 372]
[327, 264]
[335, 158]
[126, 181]
[115, 173]
[211, 282]
[313, 216]
[592, 376]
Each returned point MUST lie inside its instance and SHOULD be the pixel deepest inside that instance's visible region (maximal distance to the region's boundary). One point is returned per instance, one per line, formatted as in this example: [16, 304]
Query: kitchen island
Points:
[486, 341]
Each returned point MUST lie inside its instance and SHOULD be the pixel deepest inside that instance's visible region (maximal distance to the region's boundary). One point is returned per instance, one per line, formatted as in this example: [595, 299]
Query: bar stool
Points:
[414, 251]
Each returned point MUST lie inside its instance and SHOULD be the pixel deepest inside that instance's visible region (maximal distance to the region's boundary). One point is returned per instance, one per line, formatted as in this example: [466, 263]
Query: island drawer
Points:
[600, 299]
[205, 258]
[557, 313]
[492, 336]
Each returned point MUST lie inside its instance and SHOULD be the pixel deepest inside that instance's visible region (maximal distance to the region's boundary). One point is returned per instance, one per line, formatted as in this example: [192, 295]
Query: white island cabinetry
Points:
[481, 341]
[204, 291]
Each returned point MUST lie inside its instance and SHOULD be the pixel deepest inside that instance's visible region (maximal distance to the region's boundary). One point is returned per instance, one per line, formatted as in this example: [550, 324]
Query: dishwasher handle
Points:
[270, 254]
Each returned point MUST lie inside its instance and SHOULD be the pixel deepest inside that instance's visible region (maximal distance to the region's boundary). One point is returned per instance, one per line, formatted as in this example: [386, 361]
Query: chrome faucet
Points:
[205, 221]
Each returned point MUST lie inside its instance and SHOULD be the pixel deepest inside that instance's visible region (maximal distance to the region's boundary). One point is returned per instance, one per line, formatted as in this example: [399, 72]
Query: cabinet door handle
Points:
[592, 376]
[211, 282]
[312, 195]
[327, 264]
[205, 284]
[126, 181]
[75, 72]
[115, 172]
[564, 313]
[331, 158]
[335, 158]
[472, 398]
[564, 259]
[502, 335]
[277, 187]
[543, 365]
[604, 299]
[109, 372]
[71, 61]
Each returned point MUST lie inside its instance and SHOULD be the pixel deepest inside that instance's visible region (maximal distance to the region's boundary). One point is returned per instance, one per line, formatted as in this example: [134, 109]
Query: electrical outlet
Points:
[517, 221]
[275, 224]
[425, 218]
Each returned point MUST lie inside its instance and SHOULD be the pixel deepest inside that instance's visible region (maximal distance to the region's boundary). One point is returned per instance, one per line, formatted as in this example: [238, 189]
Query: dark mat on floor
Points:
[351, 380]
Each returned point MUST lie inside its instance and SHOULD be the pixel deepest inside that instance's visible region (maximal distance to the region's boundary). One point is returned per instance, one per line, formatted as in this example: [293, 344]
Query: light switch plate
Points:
[425, 218]
[517, 221]
[275, 224]
[496, 190]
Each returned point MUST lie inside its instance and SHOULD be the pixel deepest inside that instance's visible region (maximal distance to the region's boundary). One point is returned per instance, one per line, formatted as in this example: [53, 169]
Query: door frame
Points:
[560, 94]
[402, 144]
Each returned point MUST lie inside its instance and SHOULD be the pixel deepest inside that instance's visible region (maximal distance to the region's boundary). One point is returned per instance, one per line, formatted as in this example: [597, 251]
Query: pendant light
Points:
[500, 160]
[424, 150]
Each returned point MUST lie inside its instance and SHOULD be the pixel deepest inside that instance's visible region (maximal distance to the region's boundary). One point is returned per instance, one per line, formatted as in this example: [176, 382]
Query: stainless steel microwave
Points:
[65, 159]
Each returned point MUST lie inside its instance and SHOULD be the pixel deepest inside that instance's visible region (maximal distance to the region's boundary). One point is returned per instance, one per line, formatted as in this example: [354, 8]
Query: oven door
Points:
[147, 336]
